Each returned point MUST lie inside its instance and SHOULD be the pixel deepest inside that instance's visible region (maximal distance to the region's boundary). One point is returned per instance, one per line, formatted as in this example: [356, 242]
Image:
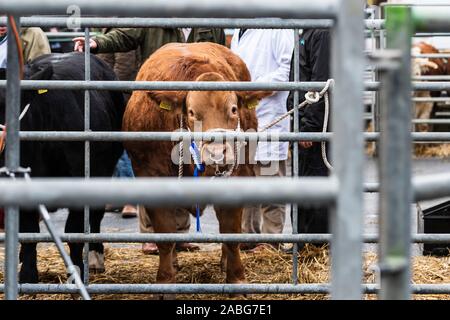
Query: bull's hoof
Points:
[28, 275]
[96, 262]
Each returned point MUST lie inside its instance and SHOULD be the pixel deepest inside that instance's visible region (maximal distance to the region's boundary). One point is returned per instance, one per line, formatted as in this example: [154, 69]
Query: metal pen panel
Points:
[209, 136]
[212, 238]
[347, 150]
[165, 192]
[87, 147]
[135, 22]
[395, 160]
[318, 288]
[204, 86]
[179, 8]
[118, 22]
[294, 206]
[12, 160]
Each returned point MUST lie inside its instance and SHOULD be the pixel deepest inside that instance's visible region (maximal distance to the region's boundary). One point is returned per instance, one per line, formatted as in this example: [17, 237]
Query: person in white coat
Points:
[267, 54]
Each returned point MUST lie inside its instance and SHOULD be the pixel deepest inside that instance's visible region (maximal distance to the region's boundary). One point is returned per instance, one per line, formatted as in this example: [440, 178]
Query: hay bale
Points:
[126, 265]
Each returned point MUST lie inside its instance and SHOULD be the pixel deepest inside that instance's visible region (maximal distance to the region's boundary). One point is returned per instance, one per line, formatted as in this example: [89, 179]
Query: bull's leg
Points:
[96, 250]
[163, 221]
[29, 223]
[230, 220]
[423, 111]
[75, 224]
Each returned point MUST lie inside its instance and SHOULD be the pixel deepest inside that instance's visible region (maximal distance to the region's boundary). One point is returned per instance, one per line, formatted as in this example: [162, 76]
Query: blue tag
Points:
[302, 42]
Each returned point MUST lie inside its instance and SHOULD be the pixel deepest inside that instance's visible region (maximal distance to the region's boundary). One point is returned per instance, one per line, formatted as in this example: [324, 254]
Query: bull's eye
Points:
[234, 110]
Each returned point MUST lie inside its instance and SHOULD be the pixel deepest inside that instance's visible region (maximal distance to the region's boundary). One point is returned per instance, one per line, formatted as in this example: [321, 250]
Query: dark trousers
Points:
[312, 220]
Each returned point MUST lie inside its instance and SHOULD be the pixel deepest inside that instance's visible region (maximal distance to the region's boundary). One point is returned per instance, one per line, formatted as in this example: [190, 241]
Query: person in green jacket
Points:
[147, 41]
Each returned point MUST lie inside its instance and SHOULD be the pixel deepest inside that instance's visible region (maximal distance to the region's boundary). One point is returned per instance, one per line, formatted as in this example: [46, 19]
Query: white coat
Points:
[267, 54]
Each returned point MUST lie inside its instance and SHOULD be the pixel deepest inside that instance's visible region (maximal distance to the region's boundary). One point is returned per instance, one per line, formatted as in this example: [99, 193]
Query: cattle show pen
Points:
[342, 191]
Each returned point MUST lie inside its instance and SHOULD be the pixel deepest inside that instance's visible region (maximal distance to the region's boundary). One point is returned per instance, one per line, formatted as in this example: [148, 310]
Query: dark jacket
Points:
[314, 66]
[148, 40]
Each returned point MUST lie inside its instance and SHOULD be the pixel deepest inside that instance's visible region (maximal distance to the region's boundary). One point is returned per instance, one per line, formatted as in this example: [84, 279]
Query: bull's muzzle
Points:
[217, 154]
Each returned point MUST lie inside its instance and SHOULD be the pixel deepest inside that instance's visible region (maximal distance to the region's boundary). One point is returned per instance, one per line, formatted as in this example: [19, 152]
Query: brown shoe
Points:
[129, 211]
[150, 248]
[184, 246]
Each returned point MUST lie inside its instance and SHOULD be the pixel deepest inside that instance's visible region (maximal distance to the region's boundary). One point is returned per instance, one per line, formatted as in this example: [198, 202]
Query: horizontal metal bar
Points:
[433, 186]
[166, 85]
[210, 238]
[431, 78]
[207, 136]
[431, 86]
[431, 19]
[432, 121]
[179, 288]
[177, 8]
[164, 192]
[51, 35]
[431, 99]
[317, 288]
[135, 22]
[432, 55]
[431, 34]
[205, 86]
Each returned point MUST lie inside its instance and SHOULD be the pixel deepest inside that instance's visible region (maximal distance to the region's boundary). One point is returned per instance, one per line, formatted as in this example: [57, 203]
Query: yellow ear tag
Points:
[42, 91]
[165, 105]
[252, 104]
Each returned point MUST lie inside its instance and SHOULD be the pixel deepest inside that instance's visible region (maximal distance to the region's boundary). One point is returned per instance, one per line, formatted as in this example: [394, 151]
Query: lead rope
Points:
[3, 127]
[2, 138]
[310, 98]
[180, 163]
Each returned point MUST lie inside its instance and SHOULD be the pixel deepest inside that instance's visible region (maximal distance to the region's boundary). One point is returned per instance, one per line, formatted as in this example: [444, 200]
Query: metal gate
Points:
[342, 192]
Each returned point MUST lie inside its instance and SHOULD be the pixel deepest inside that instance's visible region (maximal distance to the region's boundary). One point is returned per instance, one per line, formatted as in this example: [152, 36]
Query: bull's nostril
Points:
[216, 159]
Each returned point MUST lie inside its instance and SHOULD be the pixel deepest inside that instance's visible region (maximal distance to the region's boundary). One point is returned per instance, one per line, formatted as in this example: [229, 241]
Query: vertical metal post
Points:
[376, 111]
[295, 155]
[395, 160]
[87, 149]
[347, 150]
[12, 162]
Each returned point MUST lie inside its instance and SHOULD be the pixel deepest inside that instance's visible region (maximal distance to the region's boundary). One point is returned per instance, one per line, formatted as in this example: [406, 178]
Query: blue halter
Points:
[199, 168]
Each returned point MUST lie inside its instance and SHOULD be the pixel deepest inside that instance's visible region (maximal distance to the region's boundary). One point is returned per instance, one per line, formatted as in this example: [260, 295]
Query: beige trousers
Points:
[266, 218]
[182, 218]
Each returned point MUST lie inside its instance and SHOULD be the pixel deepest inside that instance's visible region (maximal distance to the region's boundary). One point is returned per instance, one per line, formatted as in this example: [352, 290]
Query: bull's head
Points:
[213, 111]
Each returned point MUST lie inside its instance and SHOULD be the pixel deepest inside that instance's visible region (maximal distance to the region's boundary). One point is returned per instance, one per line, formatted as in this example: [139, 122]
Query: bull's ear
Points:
[168, 99]
[250, 99]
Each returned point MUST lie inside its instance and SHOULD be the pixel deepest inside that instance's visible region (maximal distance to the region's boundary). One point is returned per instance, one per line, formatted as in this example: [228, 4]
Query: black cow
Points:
[56, 110]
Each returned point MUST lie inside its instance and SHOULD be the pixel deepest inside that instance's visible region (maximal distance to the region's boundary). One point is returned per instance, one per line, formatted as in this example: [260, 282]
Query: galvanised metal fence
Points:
[342, 192]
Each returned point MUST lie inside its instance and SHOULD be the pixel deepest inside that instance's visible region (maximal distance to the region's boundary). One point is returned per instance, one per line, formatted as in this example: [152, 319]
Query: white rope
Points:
[180, 163]
[325, 126]
[24, 112]
[310, 98]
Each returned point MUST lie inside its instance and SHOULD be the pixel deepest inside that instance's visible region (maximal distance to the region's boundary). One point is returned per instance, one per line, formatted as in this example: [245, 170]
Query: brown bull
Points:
[426, 67]
[216, 110]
